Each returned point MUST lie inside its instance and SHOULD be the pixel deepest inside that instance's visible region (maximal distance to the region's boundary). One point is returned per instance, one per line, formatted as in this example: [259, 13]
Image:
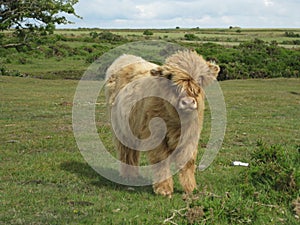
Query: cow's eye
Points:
[169, 76]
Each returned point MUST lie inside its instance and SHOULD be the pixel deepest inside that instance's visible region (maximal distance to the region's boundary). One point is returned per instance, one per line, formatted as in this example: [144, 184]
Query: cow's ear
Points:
[156, 72]
[211, 75]
[162, 72]
[214, 68]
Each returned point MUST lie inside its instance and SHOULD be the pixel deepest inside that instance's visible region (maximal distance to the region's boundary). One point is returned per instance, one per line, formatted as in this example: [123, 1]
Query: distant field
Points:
[222, 36]
[45, 180]
[68, 53]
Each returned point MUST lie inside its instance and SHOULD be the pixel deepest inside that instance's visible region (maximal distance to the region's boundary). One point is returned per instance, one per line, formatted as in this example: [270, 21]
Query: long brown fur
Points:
[189, 74]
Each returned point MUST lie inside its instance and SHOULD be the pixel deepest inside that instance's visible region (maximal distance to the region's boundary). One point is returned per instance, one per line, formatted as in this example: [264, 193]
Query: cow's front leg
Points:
[187, 175]
[164, 188]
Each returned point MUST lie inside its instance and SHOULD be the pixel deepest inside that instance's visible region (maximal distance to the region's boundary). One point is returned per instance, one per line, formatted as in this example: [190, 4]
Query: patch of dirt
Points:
[195, 214]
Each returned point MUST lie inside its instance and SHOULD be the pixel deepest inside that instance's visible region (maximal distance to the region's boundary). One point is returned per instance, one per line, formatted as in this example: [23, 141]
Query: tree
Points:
[30, 16]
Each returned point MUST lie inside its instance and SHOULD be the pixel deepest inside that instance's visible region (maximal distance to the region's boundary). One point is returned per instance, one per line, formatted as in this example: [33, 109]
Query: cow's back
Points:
[123, 71]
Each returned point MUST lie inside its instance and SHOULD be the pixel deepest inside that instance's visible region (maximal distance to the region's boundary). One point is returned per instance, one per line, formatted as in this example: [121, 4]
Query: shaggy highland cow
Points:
[181, 80]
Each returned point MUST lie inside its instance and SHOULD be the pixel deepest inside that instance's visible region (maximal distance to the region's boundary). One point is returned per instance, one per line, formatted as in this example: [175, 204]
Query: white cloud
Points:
[268, 3]
[187, 13]
[146, 11]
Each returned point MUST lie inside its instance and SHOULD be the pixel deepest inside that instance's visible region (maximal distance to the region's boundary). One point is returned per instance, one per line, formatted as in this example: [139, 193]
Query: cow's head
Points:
[188, 81]
[185, 91]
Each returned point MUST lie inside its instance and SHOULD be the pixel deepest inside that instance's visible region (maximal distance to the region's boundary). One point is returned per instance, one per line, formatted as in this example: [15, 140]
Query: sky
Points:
[186, 14]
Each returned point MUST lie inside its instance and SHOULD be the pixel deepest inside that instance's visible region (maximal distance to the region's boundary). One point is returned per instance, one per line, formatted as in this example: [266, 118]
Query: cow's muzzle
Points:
[187, 103]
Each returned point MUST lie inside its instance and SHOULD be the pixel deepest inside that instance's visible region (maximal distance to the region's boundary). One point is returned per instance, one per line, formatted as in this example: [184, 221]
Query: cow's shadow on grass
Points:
[84, 171]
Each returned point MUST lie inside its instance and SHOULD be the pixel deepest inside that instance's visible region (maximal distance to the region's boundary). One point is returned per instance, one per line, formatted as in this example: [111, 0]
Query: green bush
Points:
[58, 50]
[291, 34]
[148, 33]
[94, 34]
[190, 37]
[5, 72]
[253, 59]
[64, 50]
[110, 37]
[291, 42]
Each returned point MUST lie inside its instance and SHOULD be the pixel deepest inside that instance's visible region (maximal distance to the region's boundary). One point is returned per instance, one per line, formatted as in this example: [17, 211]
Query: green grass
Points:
[41, 68]
[45, 180]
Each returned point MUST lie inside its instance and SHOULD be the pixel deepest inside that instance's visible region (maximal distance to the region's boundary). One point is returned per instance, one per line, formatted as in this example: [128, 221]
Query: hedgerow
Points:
[254, 59]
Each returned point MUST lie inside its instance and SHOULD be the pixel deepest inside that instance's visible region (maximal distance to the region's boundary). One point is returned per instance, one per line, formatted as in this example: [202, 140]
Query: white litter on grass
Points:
[238, 163]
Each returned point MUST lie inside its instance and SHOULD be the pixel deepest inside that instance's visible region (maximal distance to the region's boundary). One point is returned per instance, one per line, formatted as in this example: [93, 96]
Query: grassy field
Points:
[45, 180]
[228, 35]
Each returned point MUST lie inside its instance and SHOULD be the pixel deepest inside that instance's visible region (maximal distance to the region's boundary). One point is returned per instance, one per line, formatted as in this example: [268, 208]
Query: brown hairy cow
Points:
[181, 80]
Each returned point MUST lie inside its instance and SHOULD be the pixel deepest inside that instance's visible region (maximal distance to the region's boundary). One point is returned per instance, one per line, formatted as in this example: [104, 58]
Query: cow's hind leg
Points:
[187, 175]
[130, 161]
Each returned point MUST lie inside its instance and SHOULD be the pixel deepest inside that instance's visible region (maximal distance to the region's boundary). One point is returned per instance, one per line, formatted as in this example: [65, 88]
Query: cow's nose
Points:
[187, 103]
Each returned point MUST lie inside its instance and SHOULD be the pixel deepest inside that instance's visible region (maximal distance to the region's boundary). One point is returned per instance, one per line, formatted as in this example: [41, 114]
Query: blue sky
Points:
[187, 13]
